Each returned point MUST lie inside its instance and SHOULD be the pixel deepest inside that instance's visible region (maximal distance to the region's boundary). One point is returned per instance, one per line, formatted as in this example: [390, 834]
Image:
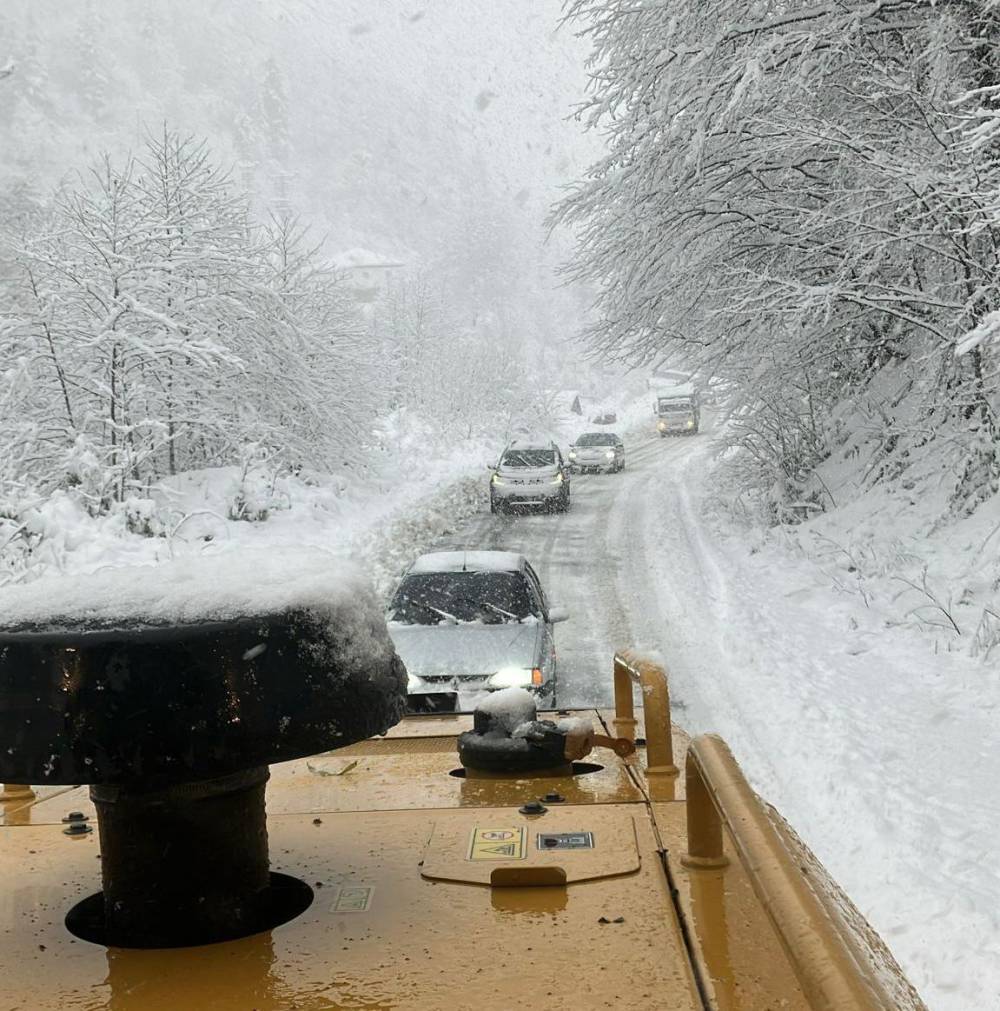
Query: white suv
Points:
[530, 474]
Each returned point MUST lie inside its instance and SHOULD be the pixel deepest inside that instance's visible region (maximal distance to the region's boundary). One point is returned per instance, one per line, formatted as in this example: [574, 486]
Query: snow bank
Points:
[382, 518]
[827, 655]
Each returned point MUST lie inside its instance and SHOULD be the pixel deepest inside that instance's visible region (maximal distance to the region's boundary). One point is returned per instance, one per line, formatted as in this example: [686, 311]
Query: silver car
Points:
[468, 622]
[597, 451]
[530, 474]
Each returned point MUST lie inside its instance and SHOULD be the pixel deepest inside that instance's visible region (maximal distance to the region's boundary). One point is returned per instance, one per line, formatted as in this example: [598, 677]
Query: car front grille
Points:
[463, 679]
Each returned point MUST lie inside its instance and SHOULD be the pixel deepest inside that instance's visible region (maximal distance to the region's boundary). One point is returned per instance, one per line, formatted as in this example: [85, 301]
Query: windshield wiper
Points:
[485, 605]
[434, 610]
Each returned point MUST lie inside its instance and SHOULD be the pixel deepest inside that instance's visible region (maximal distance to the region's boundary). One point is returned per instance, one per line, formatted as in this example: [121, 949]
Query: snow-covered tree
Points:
[153, 327]
[788, 203]
[329, 386]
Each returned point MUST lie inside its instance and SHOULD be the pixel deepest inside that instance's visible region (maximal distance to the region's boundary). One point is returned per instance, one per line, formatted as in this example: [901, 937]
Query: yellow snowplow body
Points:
[635, 887]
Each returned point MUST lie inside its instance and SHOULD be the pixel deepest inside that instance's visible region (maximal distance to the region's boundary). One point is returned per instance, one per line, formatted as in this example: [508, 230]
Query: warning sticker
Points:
[497, 843]
[353, 899]
[565, 840]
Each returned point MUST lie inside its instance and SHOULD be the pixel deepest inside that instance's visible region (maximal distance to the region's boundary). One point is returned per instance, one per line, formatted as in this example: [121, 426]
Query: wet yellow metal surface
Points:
[420, 944]
[446, 725]
[396, 773]
[403, 916]
[737, 946]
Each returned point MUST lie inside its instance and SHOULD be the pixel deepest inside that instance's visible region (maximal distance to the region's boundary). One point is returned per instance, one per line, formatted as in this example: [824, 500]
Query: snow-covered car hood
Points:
[467, 650]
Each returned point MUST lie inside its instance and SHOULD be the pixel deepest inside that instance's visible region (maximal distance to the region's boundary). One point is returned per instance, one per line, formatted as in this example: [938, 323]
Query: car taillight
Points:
[536, 676]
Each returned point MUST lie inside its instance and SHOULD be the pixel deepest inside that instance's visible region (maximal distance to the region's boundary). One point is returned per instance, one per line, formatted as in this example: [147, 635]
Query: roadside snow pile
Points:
[383, 519]
[218, 587]
[389, 548]
[887, 534]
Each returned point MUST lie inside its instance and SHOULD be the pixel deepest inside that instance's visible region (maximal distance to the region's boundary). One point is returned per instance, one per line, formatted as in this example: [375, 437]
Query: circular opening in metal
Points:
[284, 899]
[579, 769]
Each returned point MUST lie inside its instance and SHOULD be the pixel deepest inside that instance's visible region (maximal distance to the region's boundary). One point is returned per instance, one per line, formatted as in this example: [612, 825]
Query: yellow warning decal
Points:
[505, 843]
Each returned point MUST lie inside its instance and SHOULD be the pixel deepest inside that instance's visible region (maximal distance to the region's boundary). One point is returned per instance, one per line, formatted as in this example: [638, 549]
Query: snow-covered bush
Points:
[255, 495]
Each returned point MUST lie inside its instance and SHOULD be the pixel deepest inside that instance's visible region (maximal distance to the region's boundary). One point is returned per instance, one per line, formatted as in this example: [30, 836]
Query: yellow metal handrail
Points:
[832, 969]
[652, 680]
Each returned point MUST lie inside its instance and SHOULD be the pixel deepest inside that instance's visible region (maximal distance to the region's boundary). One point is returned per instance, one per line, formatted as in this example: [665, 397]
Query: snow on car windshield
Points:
[674, 406]
[596, 439]
[529, 458]
[435, 597]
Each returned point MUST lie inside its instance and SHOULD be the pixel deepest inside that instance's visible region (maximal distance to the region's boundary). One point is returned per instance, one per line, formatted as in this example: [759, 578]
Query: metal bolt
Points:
[75, 816]
[533, 807]
[77, 828]
[553, 798]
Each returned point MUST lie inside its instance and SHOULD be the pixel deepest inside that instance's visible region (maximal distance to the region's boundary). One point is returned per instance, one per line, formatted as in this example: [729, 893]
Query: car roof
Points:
[519, 444]
[469, 561]
[684, 390]
[608, 432]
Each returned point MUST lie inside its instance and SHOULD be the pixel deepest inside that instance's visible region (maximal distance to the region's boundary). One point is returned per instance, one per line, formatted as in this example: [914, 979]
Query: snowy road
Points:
[588, 564]
[841, 729]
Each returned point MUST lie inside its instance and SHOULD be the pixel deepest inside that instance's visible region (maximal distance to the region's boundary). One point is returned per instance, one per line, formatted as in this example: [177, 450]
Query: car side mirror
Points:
[557, 614]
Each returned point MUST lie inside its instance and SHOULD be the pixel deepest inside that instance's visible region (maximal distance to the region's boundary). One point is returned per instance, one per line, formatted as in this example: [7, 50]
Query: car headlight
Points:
[610, 454]
[558, 479]
[515, 677]
[662, 425]
[572, 454]
[690, 424]
[496, 479]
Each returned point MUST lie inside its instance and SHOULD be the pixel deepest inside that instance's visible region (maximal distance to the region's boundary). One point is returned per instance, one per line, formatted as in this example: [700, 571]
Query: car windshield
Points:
[596, 439]
[675, 407]
[433, 598]
[529, 458]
